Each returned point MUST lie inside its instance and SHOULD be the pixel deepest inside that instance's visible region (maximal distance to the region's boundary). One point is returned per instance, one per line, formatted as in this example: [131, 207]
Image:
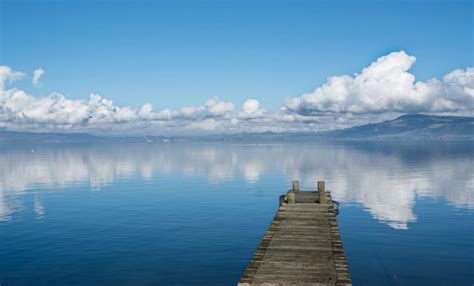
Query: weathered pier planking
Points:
[302, 246]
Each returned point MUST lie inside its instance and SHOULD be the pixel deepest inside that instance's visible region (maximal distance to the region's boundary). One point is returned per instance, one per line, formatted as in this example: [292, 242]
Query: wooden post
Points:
[290, 197]
[296, 186]
[322, 192]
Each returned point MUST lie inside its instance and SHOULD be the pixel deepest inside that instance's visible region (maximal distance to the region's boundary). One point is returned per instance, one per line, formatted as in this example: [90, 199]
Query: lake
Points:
[193, 214]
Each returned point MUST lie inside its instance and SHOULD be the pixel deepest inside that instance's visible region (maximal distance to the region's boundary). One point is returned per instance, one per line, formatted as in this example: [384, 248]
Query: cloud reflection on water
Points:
[385, 178]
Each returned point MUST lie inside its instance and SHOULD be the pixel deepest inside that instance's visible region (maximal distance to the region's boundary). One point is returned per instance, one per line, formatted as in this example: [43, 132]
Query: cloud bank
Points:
[382, 90]
[387, 86]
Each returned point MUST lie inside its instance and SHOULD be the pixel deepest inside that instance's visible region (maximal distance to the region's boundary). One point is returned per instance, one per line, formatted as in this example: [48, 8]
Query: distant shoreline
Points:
[412, 127]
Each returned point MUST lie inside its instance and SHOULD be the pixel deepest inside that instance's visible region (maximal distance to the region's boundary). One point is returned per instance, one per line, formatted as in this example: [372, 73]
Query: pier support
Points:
[322, 192]
[296, 186]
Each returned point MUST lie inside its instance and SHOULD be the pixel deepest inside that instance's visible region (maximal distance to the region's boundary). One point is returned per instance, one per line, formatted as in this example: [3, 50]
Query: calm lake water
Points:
[193, 214]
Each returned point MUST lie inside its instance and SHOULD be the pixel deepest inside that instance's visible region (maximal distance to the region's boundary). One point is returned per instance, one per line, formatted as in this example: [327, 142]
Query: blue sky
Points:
[178, 53]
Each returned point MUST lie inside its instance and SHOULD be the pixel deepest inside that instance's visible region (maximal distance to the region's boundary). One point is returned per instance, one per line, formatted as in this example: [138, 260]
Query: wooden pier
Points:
[302, 246]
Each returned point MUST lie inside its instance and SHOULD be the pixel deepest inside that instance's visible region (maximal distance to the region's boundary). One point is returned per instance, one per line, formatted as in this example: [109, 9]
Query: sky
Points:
[179, 67]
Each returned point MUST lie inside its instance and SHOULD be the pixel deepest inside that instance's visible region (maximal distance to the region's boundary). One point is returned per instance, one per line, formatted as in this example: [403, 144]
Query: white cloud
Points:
[7, 75]
[37, 75]
[219, 108]
[251, 110]
[387, 86]
[381, 91]
[21, 111]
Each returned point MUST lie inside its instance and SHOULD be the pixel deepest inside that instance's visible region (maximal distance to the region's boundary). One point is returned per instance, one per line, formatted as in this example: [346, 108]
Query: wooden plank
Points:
[302, 246]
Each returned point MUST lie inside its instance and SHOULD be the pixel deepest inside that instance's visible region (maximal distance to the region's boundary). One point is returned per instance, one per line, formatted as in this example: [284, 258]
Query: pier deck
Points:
[302, 246]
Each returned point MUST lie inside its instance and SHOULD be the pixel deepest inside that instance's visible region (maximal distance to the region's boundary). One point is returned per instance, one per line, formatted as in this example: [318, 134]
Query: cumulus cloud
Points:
[387, 86]
[219, 108]
[251, 110]
[7, 75]
[381, 91]
[37, 75]
[21, 111]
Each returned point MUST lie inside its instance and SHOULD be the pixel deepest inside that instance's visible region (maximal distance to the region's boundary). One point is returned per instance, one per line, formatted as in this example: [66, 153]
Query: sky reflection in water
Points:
[185, 196]
[385, 178]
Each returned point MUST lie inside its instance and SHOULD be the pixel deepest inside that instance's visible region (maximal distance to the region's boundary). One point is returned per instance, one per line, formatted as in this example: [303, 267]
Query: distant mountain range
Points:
[413, 126]
[405, 127]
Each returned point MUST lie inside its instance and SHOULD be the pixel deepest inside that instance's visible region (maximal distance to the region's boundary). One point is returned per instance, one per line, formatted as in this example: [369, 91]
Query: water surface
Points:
[193, 214]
